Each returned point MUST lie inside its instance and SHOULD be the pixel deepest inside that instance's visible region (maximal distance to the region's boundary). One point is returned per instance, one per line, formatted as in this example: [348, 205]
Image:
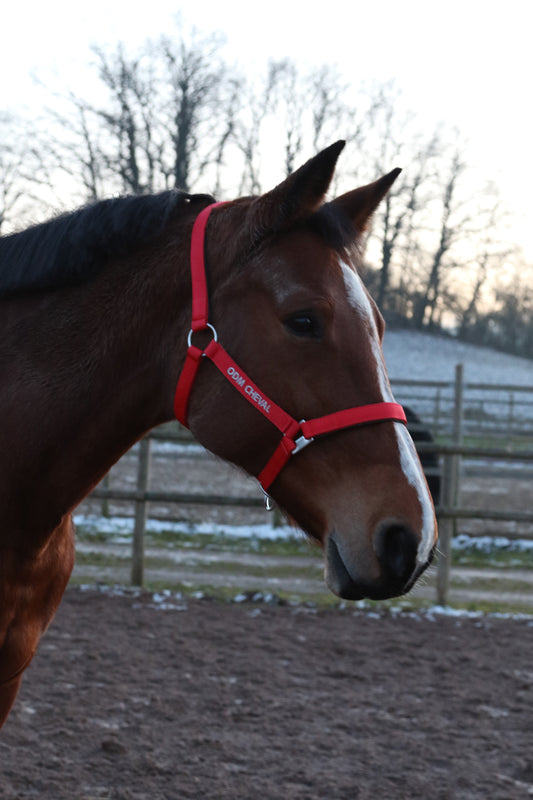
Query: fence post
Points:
[510, 418]
[450, 491]
[106, 482]
[277, 517]
[436, 415]
[143, 476]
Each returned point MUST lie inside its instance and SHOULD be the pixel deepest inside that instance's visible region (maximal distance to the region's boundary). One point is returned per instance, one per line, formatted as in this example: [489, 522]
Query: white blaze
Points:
[408, 456]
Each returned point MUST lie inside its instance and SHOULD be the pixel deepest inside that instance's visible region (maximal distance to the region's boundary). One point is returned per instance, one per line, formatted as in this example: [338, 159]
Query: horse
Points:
[280, 372]
[430, 461]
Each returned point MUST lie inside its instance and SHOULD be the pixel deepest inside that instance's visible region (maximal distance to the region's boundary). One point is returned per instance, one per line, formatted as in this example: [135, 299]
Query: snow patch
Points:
[421, 356]
[121, 528]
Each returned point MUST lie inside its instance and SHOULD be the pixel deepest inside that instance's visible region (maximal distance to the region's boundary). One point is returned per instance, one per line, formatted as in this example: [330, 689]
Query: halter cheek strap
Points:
[295, 435]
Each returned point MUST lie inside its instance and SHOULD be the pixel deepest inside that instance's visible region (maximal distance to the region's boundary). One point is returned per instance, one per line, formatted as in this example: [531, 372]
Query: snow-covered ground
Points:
[414, 356]
[120, 529]
[420, 356]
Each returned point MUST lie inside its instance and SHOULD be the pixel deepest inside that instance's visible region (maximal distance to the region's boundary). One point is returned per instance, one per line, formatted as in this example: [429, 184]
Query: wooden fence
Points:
[450, 419]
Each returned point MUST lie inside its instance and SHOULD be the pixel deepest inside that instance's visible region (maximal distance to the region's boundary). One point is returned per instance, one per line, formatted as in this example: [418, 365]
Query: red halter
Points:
[295, 435]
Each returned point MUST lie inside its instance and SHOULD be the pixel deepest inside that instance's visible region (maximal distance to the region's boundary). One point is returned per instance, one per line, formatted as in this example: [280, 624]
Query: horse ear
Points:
[300, 194]
[360, 204]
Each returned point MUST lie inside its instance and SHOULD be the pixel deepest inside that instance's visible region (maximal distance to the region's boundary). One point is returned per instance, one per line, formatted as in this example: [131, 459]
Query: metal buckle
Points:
[211, 328]
[302, 441]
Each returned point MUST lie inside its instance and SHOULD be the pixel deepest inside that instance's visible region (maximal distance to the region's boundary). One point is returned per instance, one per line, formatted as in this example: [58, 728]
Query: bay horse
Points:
[284, 350]
[420, 432]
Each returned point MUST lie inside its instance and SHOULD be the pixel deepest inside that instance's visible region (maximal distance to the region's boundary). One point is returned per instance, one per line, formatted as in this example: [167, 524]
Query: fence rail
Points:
[445, 410]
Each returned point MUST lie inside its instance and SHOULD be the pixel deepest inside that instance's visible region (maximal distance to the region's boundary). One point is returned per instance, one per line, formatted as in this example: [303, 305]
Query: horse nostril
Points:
[396, 547]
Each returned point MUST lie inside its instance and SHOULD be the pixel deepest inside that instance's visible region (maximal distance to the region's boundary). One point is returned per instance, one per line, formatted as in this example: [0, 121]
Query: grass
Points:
[513, 443]
[305, 571]
[100, 559]
[219, 542]
[298, 545]
[494, 558]
[492, 585]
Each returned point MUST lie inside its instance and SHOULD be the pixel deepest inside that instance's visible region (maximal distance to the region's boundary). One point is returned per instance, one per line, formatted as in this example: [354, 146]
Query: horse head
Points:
[288, 304]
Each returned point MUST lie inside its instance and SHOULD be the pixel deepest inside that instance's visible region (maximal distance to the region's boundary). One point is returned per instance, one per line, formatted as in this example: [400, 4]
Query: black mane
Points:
[73, 248]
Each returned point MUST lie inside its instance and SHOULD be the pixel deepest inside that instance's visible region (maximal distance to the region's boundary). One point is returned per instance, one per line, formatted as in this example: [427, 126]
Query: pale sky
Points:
[467, 63]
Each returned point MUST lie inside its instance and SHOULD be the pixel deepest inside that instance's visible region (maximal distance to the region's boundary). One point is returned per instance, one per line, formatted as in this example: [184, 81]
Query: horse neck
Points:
[97, 370]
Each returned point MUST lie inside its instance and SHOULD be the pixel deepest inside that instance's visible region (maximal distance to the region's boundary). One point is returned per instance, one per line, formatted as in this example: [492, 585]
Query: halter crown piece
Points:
[295, 435]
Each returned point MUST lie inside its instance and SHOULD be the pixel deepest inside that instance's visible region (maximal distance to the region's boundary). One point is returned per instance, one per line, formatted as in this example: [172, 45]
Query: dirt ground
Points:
[228, 701]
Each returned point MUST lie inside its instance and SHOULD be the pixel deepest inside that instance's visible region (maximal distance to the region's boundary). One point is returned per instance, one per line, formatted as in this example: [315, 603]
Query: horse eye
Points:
[304, 324]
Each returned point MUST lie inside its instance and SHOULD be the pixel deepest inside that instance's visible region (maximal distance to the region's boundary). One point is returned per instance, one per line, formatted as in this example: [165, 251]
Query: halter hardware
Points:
[295, 435]
[207, 327]
[301, 441]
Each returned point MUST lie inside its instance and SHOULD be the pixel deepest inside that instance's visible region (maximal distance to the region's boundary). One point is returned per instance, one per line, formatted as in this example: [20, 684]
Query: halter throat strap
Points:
[295, 435]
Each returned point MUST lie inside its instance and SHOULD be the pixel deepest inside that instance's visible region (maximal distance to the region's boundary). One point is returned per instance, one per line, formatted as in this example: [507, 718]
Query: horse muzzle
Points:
[389, 569]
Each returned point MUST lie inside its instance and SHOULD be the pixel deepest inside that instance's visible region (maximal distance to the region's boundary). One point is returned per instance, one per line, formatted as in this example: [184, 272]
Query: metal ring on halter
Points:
[269, 504]
[207, 325]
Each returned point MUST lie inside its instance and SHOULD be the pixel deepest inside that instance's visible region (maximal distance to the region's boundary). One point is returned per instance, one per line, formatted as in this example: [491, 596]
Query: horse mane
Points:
[73, 248]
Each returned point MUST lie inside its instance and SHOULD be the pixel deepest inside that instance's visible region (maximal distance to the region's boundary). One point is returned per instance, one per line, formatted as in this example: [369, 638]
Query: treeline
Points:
[179, 114]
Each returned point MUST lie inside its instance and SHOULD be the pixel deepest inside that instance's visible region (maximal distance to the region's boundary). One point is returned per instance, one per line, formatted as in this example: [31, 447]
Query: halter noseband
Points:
[295, 435]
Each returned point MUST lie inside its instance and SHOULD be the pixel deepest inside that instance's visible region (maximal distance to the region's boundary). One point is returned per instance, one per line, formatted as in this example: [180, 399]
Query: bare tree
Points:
[291, 111]
[199, 92]
[510, 323]
[216, 159]
[73, 149]
[399, 213]
[176, 115]
[490, 256]
[330, 112]
[449, 232]
[160, 125]
[22, 173]
[259, 103]
[11, 168]
[132, 149]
